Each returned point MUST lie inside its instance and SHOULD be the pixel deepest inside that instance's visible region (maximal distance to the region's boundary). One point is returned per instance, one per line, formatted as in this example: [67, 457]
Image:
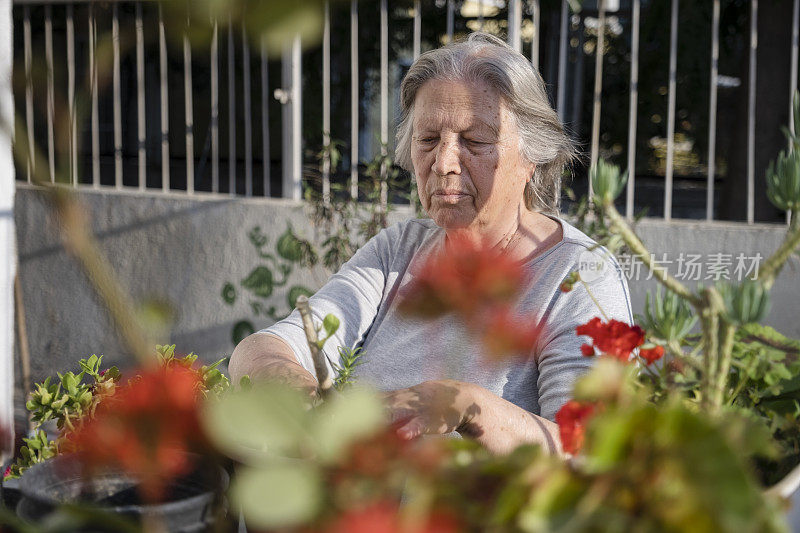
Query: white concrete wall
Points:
[7, 248]
[184, 250]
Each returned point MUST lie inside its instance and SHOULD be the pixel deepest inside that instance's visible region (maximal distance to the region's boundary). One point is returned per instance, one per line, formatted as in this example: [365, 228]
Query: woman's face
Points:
[465, 151]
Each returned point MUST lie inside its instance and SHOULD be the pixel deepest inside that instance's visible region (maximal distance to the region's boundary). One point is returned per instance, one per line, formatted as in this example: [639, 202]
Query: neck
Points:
[503, 239]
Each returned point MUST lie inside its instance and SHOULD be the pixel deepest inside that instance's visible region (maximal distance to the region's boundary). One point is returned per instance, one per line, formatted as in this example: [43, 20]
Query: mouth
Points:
[449, 195]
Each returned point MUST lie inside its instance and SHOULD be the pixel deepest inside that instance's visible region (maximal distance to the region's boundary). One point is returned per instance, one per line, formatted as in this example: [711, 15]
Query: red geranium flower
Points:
[651, 355]
[614, 338]
[571, 420]
[464, 278]
[145, 429]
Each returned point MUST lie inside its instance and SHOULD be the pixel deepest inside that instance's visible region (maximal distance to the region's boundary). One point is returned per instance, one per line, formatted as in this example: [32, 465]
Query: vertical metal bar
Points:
[673, 59]
[633, 108]
[326, 104]
[73, 153]
[562, 62]
[267, 160]
[354, 98]
[450, 20]
[231, 112]
[384, 100]
[794, 65]
[514, 24]
[417, 28]
[162, 55]
[141, 117]
[295, 190]
[26, 26]
[598, 84]
[712, 112]
[95, 114]
[215, 108]
[751, 114]
[48, 40]
[188, 108]
[537, 24]
[117, 97]
[793, 82]
[248, 126]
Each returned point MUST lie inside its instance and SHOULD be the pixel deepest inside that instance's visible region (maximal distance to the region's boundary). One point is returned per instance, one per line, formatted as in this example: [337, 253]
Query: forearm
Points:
[264, 356]
[501, 426]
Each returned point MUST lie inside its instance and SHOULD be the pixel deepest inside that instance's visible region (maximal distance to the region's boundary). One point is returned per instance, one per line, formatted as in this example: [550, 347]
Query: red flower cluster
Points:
[618, 340]
[614, 338]
[651, 355]
[383, 517]
[145, 429]
[479, 285]
[571, 420]
[463, 279]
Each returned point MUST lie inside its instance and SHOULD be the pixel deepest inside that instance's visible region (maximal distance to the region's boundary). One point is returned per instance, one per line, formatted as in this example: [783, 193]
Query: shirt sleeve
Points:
[560, 361]
[353, 294]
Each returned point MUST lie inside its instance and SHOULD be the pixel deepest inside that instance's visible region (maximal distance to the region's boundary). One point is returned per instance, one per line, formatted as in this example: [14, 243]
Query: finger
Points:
[412, 429]
[398, 414]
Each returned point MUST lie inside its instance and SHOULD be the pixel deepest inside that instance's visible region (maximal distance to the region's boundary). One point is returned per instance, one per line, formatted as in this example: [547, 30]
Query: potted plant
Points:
[127, 449]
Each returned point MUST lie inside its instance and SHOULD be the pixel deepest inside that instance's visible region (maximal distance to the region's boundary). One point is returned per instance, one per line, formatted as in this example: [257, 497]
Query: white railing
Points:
[290, 93]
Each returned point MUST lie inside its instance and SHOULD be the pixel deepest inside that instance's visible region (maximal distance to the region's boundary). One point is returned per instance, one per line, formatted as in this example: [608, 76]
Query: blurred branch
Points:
[78, 241]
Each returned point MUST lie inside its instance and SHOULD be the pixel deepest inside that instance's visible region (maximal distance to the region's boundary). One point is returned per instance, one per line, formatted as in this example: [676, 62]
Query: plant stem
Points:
[743, 380]
[727, 332]
[711, 343]
[80, 242]
[321, 369]
[600, 307]
[637, 247]
[776, 261]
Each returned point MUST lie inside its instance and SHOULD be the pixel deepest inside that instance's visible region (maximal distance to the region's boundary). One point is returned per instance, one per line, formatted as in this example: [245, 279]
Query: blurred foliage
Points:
[74, 398]
[735, 364]
[644, 467]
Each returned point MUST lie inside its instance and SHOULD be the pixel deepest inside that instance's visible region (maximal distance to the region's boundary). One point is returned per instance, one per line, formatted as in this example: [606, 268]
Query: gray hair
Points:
[484, 57]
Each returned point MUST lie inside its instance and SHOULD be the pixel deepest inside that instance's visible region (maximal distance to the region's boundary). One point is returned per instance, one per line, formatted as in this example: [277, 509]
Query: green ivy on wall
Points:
[272, 272]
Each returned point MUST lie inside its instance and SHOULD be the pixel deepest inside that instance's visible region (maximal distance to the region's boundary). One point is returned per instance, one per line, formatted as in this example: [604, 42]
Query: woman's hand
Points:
[432, 407]
[438, 407]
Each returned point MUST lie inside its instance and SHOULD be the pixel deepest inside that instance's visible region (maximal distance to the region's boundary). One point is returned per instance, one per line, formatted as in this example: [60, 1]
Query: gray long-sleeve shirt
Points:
[402, 352]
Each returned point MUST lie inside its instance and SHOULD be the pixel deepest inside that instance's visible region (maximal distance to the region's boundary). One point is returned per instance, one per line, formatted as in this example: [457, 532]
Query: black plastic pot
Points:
[191, 504]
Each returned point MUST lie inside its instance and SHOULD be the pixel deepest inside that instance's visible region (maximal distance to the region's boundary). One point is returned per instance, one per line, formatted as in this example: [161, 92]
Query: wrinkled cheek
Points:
[422, 193]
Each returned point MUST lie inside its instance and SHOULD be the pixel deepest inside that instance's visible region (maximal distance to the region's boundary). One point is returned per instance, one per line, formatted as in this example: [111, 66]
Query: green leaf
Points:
[278, 495]
[343, 419]
[260, 281]
[331, 324]
[295, 292]
[607, 183]
[253, 424]
[70, 382]
[289, 246]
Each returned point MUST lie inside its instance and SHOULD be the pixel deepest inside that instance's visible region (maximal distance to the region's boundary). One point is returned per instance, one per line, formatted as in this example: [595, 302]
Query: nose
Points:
[448, 158]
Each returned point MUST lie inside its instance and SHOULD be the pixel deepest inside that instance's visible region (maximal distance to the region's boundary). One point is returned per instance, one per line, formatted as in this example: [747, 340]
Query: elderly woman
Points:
[488, 153]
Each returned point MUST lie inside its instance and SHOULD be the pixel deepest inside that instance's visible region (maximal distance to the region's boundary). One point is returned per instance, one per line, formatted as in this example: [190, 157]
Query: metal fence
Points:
[256, 168]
